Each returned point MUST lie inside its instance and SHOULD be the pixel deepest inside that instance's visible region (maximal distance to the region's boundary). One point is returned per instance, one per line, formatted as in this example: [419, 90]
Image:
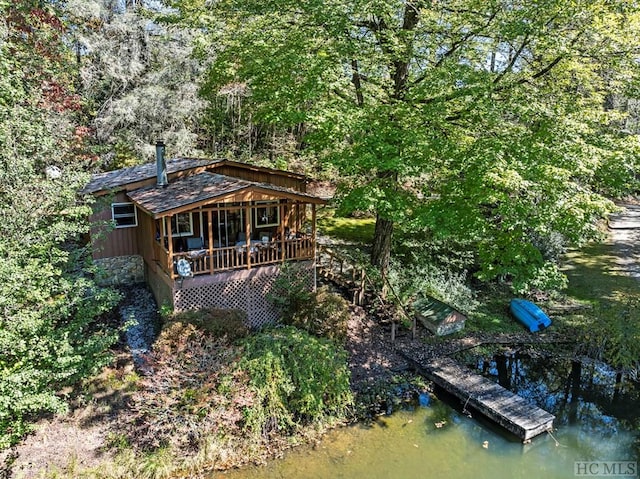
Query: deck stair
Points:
[335, 267]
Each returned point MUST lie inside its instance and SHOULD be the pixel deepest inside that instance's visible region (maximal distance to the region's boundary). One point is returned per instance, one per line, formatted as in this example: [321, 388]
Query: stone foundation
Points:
[120, 270]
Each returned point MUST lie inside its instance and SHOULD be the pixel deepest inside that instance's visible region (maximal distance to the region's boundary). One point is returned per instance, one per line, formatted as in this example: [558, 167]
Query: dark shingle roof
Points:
[113, 180]
[197, 188]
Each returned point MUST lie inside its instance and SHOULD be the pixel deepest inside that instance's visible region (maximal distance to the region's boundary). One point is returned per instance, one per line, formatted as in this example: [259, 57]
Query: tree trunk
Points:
[575, 380]
[381, 252]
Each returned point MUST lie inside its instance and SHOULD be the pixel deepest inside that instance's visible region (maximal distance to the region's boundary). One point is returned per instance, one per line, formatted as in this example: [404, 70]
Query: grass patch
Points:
[609, 328]
[597, 282]
[492, 314]
[358, 230]
[599, 293]
[594, 274]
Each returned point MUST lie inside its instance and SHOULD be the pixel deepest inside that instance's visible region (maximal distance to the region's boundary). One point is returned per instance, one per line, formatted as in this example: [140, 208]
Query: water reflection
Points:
[587, 392]
[596, 420]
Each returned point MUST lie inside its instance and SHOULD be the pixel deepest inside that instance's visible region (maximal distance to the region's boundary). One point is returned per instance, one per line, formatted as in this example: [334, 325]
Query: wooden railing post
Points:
[210, 237]
[313, 232]
[283, 227]
[247, 233]
[169, 247]
[363, 277]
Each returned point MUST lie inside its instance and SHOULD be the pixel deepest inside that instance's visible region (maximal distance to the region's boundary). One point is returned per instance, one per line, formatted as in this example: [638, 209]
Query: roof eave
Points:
[302, 198]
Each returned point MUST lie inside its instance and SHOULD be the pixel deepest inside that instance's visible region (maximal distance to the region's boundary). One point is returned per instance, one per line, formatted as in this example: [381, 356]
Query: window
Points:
[182, 224]
[267, 215]
[124, 215]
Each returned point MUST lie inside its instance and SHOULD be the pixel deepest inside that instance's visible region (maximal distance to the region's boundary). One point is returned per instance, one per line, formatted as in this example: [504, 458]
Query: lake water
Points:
[595, 422]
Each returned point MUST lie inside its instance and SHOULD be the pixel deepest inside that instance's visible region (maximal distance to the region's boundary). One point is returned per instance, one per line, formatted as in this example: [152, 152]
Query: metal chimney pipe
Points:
[161, 164]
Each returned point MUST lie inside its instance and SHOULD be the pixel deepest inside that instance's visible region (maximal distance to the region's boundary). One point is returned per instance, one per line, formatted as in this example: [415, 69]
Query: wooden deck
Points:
[490, 399]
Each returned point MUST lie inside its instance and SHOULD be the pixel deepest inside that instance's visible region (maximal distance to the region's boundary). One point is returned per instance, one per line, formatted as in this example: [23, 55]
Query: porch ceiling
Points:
[203, 188]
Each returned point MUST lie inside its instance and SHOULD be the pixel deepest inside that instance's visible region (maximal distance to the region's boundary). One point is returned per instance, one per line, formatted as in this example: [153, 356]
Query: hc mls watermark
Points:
[605, 468]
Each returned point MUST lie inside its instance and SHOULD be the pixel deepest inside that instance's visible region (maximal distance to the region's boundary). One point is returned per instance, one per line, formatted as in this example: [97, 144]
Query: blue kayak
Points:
[529, 314]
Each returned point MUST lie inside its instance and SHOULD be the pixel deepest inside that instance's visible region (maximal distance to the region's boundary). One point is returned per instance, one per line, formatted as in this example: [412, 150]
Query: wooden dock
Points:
[490, 399]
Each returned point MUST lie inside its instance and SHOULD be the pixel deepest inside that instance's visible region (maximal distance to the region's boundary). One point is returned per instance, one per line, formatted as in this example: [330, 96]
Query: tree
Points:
[481, 120]
[49, 336]
[139, 79]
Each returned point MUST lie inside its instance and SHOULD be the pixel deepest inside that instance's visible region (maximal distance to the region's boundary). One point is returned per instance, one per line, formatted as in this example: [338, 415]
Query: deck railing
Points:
[244, 256]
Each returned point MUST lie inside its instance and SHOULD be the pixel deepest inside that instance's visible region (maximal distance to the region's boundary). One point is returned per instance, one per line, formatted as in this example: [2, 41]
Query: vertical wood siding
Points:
[107, 242]
[262, 177]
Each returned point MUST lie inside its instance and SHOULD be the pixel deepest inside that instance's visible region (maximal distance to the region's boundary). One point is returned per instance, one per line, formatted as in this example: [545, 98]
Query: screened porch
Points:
[231, 236]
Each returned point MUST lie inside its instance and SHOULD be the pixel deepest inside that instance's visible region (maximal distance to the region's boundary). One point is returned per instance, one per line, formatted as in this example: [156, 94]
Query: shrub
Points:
[216, 322]
[326, 314]
[546, 277]
[321, 313]
[290, 292]
[450, 287]
[50, 338]
[297, 379]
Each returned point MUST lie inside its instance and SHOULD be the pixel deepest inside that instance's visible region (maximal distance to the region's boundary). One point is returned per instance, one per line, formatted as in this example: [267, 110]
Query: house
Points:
[203, 233]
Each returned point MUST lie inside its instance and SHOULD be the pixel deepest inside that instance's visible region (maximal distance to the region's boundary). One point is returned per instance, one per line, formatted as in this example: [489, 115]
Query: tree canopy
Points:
[138, 79]
[49, 338]
[486, 122]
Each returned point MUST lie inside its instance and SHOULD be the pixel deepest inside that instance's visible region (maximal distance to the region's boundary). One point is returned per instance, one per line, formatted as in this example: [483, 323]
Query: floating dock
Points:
[490, 399]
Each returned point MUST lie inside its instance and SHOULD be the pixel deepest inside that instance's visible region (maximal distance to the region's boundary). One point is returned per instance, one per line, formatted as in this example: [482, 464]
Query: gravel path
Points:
[624, 230]
[140, 310]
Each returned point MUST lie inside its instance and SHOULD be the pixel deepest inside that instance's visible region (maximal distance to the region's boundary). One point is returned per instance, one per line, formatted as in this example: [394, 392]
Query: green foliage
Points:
[487, 123]
[290, 292]
[49, 338]
[50, 330]
[547, 277]
[413, 279]
[322, 313]
[617, 334]
[117, 441]
[297, 379]
[618, 175]
[387, 395]
[325, 315]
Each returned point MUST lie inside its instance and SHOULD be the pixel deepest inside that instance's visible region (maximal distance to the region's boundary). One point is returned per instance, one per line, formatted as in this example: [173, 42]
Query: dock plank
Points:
[511, 411]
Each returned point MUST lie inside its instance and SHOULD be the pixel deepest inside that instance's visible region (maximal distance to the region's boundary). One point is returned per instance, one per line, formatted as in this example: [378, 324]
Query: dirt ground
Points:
[77, 439]
[80, 437]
